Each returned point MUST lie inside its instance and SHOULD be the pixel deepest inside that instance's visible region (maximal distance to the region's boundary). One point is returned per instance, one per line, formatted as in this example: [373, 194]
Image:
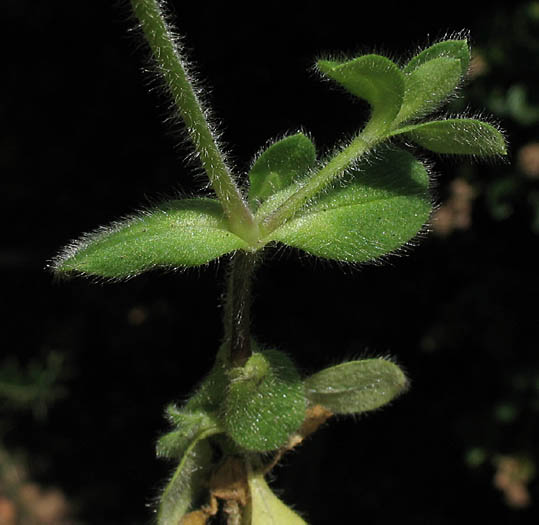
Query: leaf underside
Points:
[378, 210]
[187, 484]
[176, 234]
[356, 386]
[458, 136]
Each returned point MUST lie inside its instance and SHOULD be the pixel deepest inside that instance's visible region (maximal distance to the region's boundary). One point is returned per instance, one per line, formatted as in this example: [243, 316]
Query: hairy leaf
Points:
[454, 49]
[265, 402]
[356, 386]
[177, 234]
[279, 165]
[429, 85]
[457, 136]
[188, 426]
[382, 207]
[373, 78]
[187, 484]
[265, 508]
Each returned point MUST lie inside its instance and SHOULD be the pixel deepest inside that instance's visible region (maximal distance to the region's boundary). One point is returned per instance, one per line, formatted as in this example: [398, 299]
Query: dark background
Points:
[83, 142]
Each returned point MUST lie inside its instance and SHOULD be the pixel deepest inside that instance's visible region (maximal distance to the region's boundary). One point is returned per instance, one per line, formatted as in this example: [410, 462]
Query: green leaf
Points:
[265, 402]
[279, 165]
[176, 234]
[428, 86]
[188, 426]
[373, 78]
[379, 209]
[265, 508]
[454, 49]
[457, 136]
[188, 482]
[356, 386]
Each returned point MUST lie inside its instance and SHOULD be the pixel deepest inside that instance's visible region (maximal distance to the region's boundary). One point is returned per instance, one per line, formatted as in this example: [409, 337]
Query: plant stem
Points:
[237, 318]
[168, 59]
[316, 183]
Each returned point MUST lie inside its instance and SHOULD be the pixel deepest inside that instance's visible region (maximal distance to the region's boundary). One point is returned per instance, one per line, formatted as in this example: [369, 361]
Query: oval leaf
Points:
[458, 136]
[176, 234]
[373, 78]
[265, 508]
[455, 49]
[189, 481]
[382, 207]
[428, 86]
[356, 386]
[279, 165]
[265, 402]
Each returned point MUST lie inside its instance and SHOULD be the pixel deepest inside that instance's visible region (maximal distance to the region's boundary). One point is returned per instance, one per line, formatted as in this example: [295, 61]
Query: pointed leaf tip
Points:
[177, 234]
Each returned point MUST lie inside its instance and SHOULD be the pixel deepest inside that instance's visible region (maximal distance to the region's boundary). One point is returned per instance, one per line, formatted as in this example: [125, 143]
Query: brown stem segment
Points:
[237, 307]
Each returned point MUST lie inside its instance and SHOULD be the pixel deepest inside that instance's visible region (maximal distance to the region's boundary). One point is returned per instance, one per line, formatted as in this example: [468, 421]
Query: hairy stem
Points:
[335, 167]
[237, 316]
[171, 66]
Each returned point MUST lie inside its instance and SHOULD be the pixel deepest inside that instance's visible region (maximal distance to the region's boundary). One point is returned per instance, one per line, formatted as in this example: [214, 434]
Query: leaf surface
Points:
[373, 78]
[379, 209]
[265, 402]
[279, 165]
[265, 508]
[188, 482]
[356, 386]
[177, 234]
[428, 86]
[454, 49]
[457, 136]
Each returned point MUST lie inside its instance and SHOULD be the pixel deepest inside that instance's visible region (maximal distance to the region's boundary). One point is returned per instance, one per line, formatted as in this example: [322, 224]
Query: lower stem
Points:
[237, 318]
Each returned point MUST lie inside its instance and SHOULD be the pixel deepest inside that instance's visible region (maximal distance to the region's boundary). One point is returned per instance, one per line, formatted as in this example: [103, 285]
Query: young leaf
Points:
[188, 426]
[427, 86]
[373, 78]
[457, 136]
[265, 508]
[176, 234]
[454, 49]
[279, 165]
[265, 402]
[188, 481]
[382, 207]
[356, 386]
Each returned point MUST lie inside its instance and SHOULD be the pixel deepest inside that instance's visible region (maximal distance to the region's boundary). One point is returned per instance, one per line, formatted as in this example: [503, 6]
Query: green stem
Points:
[237, 317]
[169, 61]
[335, 167]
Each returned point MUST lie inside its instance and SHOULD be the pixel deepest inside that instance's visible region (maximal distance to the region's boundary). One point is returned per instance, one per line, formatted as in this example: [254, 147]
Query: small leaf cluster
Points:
[354, 207]
[257, 409]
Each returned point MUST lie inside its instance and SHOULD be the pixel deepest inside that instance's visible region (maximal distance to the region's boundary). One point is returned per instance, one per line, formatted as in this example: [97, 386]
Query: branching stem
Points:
[316, 183]
[171, 66]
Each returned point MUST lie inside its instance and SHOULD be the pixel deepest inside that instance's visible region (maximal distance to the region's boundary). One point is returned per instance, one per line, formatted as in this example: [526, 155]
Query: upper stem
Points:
[169, 61]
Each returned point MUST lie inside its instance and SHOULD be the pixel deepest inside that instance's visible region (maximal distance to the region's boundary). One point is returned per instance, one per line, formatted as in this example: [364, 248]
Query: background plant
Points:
[433, 293]
[340, 208]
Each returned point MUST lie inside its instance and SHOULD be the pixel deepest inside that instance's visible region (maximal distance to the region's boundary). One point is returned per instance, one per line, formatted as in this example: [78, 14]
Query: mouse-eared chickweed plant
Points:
[367, 200]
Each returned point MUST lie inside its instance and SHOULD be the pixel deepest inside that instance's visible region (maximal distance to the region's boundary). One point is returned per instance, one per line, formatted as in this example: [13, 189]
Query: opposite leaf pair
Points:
[377, 206]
